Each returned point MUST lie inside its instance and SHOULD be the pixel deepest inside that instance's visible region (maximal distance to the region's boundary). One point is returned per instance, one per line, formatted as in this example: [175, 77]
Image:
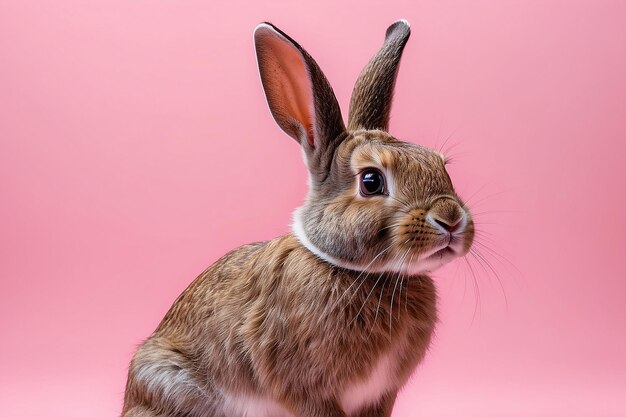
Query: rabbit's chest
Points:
[352, 397]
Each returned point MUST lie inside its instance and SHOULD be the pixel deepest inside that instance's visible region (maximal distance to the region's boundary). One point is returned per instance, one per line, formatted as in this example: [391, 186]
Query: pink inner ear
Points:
[291, 82]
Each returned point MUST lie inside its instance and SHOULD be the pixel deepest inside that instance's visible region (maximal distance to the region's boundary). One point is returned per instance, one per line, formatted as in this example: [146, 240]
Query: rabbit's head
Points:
[375, 203]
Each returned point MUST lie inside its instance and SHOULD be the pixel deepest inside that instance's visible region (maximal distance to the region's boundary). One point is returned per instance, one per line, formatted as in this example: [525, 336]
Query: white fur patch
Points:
[249, 406]
[370, 390]
[167, 378]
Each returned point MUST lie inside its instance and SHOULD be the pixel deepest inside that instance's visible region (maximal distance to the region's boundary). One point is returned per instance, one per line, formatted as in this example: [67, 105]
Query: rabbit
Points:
[331, 319]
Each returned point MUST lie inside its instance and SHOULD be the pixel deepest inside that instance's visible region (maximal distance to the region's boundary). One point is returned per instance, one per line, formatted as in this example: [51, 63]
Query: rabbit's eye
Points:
[372, 182]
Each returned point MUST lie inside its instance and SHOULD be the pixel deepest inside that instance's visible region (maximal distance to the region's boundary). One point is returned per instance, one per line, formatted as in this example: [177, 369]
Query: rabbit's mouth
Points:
[432, 262]
[440, 254]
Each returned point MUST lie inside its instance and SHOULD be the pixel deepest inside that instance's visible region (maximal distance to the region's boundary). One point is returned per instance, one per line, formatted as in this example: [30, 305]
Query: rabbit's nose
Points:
[448, 225]
[446, 215]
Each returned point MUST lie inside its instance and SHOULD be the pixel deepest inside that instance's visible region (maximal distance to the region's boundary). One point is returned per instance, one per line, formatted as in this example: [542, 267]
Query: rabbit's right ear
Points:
[299, 95]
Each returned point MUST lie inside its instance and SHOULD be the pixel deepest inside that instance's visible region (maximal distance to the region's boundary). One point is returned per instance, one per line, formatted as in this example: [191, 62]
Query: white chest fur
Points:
[247, 406]
[369, 390]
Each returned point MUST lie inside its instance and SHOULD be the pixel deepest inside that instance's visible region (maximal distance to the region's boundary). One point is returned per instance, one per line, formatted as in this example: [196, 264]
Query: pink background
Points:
[133, 136]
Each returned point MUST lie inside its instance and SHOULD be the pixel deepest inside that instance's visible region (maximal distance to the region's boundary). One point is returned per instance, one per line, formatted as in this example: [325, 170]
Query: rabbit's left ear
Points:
[371, 98]
[299, 95]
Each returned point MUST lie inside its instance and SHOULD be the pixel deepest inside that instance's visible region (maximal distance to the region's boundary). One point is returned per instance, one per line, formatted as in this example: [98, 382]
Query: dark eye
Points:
[372, 182]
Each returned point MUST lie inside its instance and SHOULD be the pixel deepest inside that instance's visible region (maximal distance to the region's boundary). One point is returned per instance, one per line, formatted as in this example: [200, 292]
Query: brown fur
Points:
[259, 322]
[275, 320]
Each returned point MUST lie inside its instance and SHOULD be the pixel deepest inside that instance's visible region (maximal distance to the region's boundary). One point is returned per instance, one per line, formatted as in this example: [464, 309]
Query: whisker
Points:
[450, 158]
[391, 226]
[468, 201]
[400, 272]
[480, 213]
[482, 261]
[380, 297]
[454, 145]
[499, 257]
[476, 203]
[476, 289]
[360, 275]
[366, 298]
[464, 282]
[403, 202]
[439, 148]
[406, 290]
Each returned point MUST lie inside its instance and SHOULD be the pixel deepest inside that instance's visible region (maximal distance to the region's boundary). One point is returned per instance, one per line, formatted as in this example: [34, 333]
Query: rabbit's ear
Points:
[299, 95]
[371, 98]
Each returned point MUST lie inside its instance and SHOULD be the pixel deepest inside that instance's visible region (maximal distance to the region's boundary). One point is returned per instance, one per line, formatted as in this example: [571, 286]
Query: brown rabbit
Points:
[331, 319]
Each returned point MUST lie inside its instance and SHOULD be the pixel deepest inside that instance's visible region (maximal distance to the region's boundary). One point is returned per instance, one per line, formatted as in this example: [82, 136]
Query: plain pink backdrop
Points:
[136, 148]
